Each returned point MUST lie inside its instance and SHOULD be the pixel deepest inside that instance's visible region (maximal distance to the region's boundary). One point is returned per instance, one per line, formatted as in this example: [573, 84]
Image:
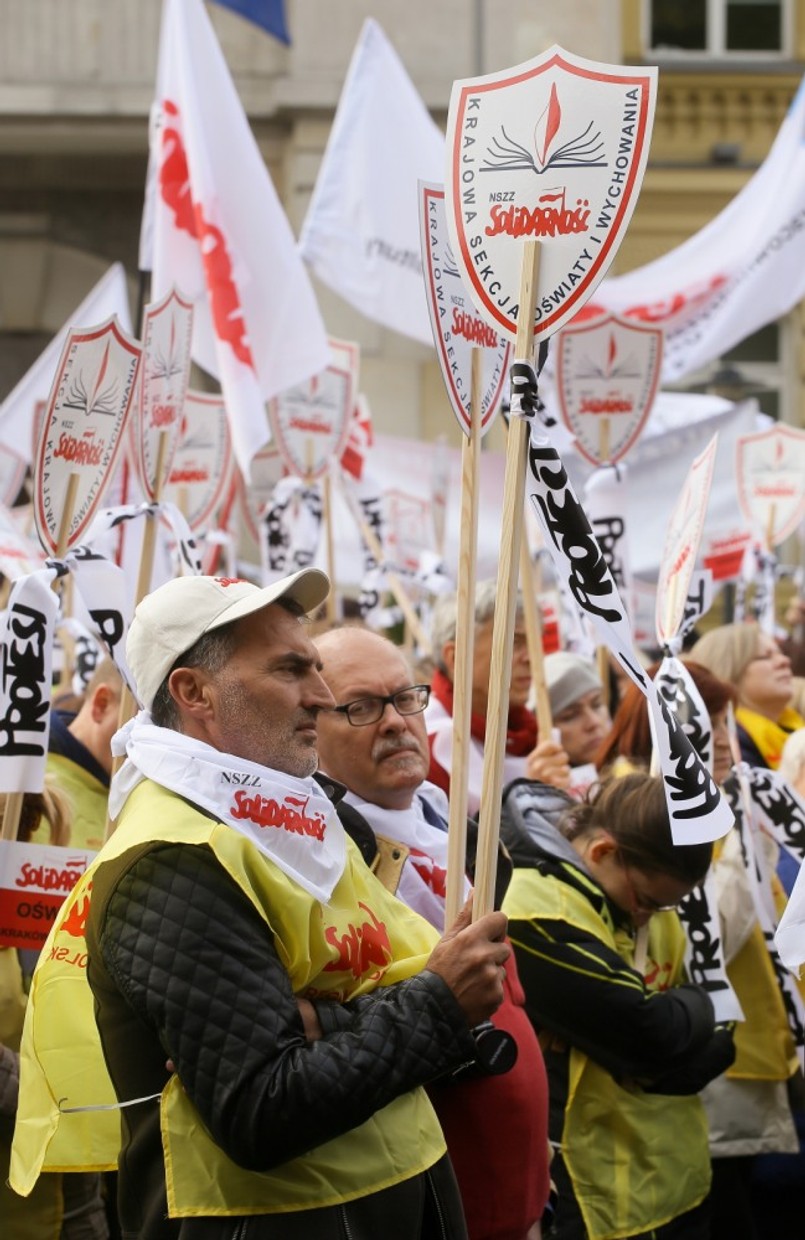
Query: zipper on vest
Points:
[240, 1231]
[345, 1220]
[437, 1203]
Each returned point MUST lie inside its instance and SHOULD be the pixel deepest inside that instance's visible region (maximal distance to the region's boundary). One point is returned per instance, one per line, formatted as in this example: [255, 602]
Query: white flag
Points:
[107, 298]
[744, 269]
[220, 234]
[361, 234]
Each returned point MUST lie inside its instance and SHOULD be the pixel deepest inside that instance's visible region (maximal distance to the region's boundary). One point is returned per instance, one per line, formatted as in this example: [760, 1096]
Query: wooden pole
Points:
[603, 441]
[465, 640]
[128, 706]
[331, 607]
[503, 627]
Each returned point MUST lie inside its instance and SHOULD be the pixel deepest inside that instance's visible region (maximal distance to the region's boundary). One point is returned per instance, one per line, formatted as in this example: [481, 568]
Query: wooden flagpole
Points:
[503, 629]
[465, 640]
[331, 603]
[128, 705]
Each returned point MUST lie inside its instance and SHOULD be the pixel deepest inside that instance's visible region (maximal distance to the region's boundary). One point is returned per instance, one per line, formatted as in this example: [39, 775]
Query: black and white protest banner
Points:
[757, 869]
[606, 502]
[704, 951]
[696, 808]
[291, 527]
[779, 808]
[104, 593]
[91, 396]
[698, 912]
[457, 328]
[770, 470]
[682, 541]
[184, 545]
[87, 652]
[27, 629]
[156, 430]
[607, 373]
[202, 462]
[551, 150]
[764, 580]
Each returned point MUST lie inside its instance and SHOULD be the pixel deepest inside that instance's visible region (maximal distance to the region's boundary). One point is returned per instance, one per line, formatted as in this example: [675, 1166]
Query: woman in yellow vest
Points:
[748, 1109]
[628, 1043]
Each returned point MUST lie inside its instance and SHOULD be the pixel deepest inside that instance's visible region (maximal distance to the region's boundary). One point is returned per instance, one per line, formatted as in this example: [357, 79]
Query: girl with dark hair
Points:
[748, 1109]
[628, 1043]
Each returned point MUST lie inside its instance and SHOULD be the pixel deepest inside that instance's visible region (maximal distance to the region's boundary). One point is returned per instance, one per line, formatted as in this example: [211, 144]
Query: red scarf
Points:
[521, 726]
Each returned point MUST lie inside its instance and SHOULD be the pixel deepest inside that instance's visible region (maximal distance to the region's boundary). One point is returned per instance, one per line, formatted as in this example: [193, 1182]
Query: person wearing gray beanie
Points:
[578, 706]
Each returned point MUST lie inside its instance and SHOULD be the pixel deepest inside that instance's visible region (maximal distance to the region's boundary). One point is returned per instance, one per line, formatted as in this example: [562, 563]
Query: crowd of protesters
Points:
[251, 1019]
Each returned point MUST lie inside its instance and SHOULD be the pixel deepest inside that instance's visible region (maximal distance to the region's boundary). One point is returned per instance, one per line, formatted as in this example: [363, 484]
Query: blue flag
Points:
[270, 14]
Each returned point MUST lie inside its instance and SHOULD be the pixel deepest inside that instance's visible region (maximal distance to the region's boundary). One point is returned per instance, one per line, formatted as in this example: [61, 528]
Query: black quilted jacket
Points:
[183, 968]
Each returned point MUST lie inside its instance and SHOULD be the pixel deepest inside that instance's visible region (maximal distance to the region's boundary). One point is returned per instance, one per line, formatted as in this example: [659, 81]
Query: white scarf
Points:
[288, 820]
[424, 875]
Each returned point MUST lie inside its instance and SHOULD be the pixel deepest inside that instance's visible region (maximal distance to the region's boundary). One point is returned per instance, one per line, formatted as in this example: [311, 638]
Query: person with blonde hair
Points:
[753, 662]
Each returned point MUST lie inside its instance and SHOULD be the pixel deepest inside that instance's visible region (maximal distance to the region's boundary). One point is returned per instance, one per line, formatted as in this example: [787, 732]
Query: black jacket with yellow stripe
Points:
[580, 992]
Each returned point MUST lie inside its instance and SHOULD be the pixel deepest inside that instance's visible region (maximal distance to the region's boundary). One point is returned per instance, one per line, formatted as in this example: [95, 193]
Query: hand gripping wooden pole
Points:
[503, 626]
[465, 640]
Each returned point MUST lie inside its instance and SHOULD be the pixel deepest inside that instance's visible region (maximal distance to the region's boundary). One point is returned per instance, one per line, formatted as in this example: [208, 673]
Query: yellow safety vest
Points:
[636, 1160]
[326, 955]
[88, 800]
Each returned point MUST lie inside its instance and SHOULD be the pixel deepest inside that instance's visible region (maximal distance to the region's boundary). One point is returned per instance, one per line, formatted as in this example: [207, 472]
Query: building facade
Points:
[77, 81]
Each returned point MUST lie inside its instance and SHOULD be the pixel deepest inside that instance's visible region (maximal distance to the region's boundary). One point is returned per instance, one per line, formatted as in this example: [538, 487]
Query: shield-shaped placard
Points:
[167, 333]
[607, 374]
[552, 150]
[682, 544]
[771, 481]
[89, 400]
[409, 529]
[310, 422]
[202, 461]
[266, 470]
[457, 327]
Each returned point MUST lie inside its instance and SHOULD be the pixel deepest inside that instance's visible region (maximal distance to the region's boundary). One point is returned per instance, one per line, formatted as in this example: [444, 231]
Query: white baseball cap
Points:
[172, 619]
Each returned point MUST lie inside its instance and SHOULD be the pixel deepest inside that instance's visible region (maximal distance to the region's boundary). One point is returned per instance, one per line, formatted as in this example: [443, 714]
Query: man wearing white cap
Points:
[268, 1013]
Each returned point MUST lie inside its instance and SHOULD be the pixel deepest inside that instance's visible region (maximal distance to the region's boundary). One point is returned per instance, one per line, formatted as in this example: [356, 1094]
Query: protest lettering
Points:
[696, 809]
[26, 645]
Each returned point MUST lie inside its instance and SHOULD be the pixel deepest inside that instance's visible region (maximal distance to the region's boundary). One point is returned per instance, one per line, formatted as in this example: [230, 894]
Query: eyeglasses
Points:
[641, 903]
[367, 710]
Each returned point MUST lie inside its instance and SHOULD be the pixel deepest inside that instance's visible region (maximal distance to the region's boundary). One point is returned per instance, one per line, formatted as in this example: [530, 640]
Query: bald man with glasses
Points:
[374, 741]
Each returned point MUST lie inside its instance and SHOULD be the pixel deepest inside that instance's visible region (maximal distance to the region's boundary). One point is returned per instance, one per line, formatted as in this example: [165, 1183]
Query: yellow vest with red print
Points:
[636, 1160]
[326, 955]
